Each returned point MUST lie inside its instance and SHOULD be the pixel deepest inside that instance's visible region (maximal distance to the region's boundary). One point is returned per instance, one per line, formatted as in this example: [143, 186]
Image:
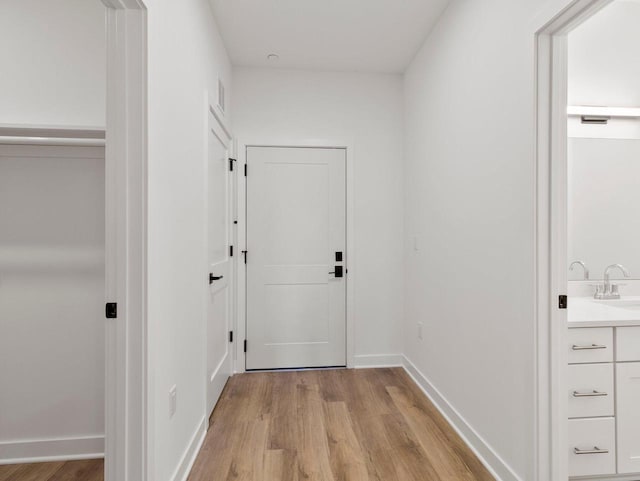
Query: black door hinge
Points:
[231, 161]
[230, 336]
[245, 345]
[244, 253]
[563, 301]
[111, 310]
[245, 170]
[230, 251]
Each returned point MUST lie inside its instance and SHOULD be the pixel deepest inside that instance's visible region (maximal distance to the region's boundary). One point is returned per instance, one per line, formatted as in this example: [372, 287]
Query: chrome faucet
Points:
[610, 291]
[584, 267]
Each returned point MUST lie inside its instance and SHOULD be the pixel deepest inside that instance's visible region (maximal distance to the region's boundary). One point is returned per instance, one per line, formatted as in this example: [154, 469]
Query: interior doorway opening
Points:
[52, 260]
[586, 133]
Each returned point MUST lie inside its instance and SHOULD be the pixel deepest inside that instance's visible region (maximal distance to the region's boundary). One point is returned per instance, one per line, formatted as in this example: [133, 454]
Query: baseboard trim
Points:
[189, 457]
[53, 449]
[377, 360]
[485, 453]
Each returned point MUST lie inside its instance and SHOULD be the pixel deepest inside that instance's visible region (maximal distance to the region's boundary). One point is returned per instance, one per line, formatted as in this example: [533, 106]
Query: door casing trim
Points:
[129, 408]
[240, 317]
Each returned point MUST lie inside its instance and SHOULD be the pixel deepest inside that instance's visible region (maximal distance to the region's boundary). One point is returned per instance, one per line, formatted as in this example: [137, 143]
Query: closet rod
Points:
[52, 135]
[61, 141]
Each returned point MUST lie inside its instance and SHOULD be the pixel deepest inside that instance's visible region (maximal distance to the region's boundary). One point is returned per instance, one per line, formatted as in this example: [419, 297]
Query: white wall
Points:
[469, 180]
[604, 61]
[366, 109]
[53, 57]
[51, 301]
[186, 56]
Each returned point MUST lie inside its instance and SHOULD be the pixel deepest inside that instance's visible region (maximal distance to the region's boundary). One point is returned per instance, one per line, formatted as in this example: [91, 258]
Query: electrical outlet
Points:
[172, 400]
[420, 331]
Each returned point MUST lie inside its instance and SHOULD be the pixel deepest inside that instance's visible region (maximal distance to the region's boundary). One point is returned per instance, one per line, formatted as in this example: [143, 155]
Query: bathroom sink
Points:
[633, 304]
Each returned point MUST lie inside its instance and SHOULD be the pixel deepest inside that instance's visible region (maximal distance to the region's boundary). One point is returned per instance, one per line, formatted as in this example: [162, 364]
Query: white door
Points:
[296, 241]
[219, 266]
[628, 412]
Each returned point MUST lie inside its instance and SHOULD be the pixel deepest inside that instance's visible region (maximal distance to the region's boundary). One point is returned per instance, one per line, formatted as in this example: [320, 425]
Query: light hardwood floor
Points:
[86, 470]
[335, 425]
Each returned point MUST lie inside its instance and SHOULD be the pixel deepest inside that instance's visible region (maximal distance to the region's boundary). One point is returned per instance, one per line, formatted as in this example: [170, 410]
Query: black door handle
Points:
[214, 278]
[337, 271]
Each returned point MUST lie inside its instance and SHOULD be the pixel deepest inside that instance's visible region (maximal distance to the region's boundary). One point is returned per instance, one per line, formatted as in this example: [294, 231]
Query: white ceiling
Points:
[343, 35]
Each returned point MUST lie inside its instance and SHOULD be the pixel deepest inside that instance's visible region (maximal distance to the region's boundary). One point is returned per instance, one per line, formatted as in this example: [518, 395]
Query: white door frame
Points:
[241, 202]
[127, 430]
[551, 237]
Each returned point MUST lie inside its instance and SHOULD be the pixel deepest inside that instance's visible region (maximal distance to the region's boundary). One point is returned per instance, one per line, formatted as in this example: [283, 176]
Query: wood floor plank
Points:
[274, 464]
[284, 431]
[7, 471]
[36, 471]
[85, 470]
[313, 452]
[479, 471]
[410, 460]
[345, 453]
[435, 443]
[331, 387]
[248, 458]
[216, 455]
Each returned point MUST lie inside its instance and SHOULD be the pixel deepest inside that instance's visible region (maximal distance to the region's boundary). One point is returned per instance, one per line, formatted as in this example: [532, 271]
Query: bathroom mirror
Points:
[604, 205]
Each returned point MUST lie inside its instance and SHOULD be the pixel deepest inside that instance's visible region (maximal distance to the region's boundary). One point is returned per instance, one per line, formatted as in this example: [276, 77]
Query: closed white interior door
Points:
[219, 267]
[296, 241]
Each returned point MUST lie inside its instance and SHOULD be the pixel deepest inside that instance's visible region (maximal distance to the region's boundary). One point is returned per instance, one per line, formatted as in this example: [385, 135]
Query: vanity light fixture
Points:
[595, 119]
[600, 112]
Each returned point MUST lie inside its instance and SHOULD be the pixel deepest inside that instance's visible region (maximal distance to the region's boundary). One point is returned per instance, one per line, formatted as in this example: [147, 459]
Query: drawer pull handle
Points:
[595, 450]
[588, 348]
[589, 394]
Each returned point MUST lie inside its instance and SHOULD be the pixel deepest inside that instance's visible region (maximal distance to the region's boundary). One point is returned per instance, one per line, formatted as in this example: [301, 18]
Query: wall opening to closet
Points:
[53, 238]
[52, 291]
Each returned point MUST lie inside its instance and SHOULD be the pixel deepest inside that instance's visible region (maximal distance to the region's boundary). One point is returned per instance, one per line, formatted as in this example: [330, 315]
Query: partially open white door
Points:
[219, 266]
[296, 260]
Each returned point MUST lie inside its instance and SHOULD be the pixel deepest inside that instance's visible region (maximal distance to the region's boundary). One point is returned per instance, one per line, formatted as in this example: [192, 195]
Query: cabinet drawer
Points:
[628, 412]
[592, 447]
[628, 343]
[590, 345]
[591, 392]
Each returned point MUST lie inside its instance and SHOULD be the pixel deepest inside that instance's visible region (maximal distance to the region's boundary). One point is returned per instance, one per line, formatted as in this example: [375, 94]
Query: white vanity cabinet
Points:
[591, 446]
[592, 425]
[604, 402]
[590, 345]
[627, 344]
[628, 410]
[591, 390]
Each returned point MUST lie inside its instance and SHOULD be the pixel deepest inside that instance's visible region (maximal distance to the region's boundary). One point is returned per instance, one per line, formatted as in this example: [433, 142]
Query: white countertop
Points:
[590, 312]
